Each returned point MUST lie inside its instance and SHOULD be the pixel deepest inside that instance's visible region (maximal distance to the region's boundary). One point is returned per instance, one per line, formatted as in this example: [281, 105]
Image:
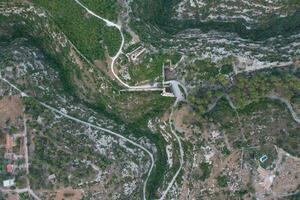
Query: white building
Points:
[9, 183]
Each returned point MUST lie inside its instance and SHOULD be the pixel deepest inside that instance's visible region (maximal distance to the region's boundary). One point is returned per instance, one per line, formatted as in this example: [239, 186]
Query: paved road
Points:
[96, 127]
[153, 87]
[25, 146]
[147, 87]
[22, 190]
[174, 84]
[114, 58]
[163, 196]
[179, 94]
[175, 87]
[288, 105]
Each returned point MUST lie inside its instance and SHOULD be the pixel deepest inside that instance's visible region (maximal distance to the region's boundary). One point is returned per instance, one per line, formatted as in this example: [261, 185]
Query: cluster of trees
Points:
[222, 180]
[151, 66]
[148, 69]
[90, 35]
[246, 88]
[214, 81]
[205, 170]
[106, 8]
[249, 89]
[160, 12]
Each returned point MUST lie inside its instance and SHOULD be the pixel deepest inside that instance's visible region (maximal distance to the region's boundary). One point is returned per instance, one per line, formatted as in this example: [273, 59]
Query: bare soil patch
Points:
[10, 108]
[181, 119]
[104, 67]
[68, 194]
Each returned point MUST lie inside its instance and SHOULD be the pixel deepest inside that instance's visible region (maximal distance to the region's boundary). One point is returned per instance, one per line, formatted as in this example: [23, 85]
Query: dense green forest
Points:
[159, 13]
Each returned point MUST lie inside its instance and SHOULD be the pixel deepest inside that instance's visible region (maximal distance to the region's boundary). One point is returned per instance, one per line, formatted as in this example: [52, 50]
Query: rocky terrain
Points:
[155, 99]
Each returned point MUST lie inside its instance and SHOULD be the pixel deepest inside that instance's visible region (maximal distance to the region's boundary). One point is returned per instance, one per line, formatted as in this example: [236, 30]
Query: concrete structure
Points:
[171, 88]
[263, 158]
[9, 183]
[132, 56]
[9, 142]
[12, 156]
[167, 92]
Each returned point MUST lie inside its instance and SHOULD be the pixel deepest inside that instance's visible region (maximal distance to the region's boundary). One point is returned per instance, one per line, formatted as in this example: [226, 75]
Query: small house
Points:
[9, 183]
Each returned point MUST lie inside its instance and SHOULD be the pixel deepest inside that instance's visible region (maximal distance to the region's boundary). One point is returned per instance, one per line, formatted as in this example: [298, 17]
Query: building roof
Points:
[9, 168]
[263, 158]
[9, 183]
[9, 142]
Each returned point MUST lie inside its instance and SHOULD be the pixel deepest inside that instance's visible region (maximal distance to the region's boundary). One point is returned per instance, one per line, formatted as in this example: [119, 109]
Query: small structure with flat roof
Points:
[9, 183]
[133, 56]
[10, 168]
[263, 158]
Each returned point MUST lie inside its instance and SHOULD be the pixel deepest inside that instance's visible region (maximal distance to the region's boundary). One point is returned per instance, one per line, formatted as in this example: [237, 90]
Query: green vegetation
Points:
[89, 34]
[295, 100]
[245, 89]
[290, 143]
[203, 69]
[226, 69]
[139, 128]
[68, 194]
[151, 105]
[49, 159]
[108, 9]
[156, 12]
[36, 33]
[249, 89]
[113, 40]
[213, 80]
[247, 127]
[244, 191]
[151, 67]
[160, 12]
[47, 156]
[296, 196]
[205, 169]
[274, 27]
[225, 151]
[25, 196]
[64, 73]
[222, 180]
[2, 197]
[223, 114]
[256, 153]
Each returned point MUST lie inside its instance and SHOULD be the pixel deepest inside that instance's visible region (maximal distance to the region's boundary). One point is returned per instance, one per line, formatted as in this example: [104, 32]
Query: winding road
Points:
[153, 87]
[180, 158]
[177, 92]
[93, 126]
[288, 105]
[174, 84]
[114, 58]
